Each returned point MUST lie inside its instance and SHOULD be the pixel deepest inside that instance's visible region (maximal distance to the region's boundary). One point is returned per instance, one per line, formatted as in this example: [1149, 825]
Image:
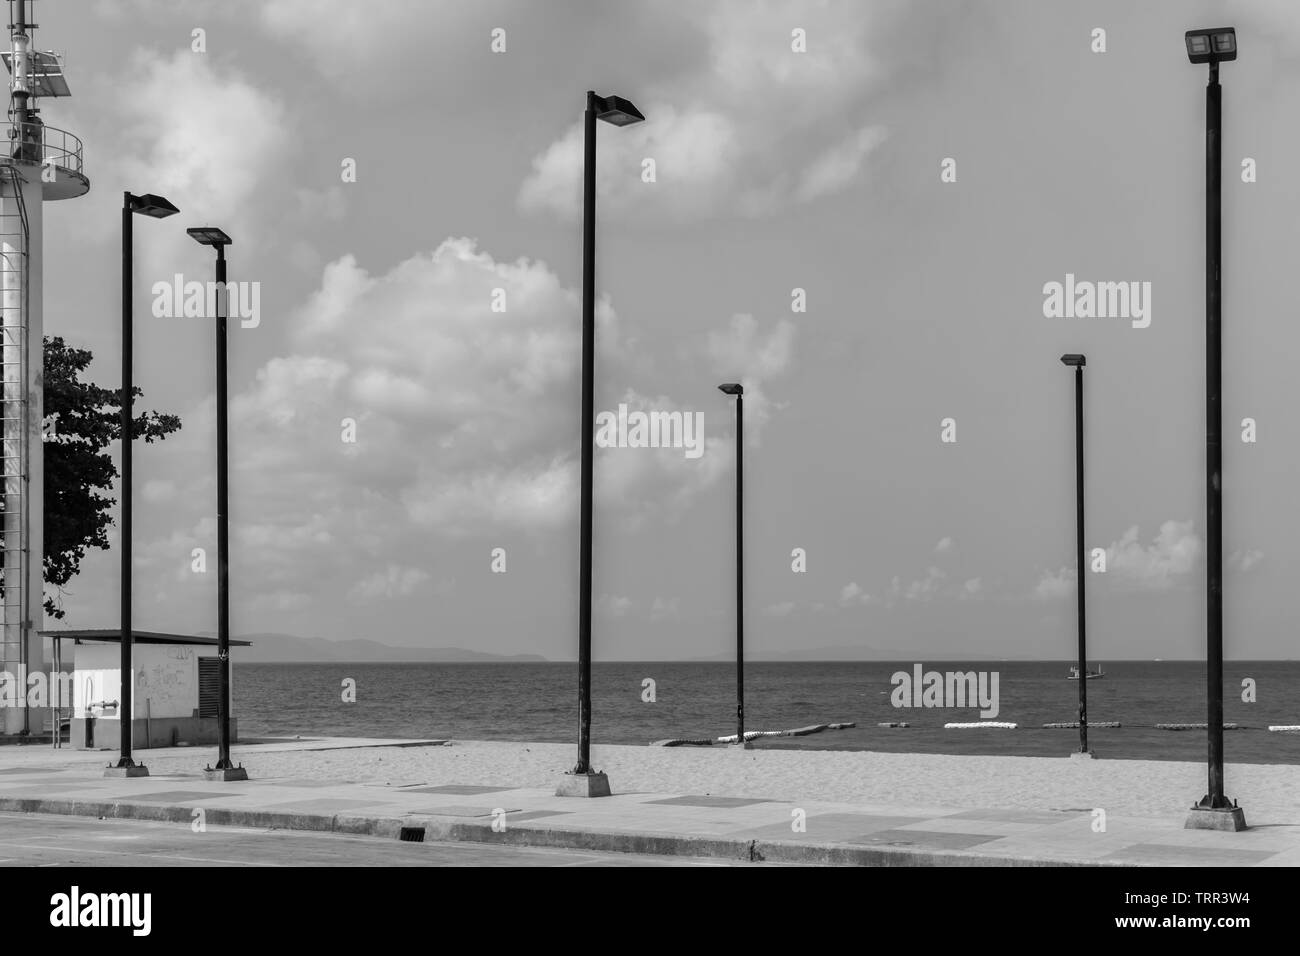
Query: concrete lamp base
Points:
[223, 776]
[1083, 755]
[583, 785]
[743, 745]
[139, 770]
[1231, 819]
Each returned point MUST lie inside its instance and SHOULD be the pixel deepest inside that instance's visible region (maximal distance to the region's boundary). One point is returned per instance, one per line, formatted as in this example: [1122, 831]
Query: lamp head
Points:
[209, 236]
[1215, 45]
[616, 110]
[1078, 361]
[151, 205]
[732, 389]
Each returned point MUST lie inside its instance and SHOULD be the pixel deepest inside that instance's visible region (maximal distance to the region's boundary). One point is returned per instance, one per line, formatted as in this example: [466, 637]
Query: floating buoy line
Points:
[955, 725]
[749, 735]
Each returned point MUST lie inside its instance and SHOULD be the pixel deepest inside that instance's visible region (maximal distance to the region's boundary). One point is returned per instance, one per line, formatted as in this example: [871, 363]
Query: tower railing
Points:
[38, 143]
[58, 152]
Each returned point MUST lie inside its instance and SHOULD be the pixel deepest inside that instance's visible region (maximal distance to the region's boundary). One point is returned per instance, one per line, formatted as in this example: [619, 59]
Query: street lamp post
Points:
[224, 770]
[155, 207]
[1215, 811]
[1078, 362]
[582, 780]
[739, 392]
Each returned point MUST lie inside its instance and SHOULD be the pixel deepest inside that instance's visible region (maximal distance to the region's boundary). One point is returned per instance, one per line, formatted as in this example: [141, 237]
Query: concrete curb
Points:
[772, 851]
[618, 841]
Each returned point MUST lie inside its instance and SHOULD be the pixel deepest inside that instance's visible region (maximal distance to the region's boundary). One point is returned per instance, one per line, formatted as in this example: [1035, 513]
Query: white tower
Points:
[39, 164]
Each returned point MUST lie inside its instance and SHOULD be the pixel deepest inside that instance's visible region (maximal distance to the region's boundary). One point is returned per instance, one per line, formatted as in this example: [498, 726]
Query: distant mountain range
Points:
[291, 649]
[859, 652]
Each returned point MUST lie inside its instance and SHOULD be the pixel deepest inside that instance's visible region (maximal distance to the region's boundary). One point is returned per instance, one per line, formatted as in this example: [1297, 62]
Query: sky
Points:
[435, 302]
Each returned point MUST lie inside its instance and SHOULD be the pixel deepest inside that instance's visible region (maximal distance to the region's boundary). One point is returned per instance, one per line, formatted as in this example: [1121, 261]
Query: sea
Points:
[639, 703]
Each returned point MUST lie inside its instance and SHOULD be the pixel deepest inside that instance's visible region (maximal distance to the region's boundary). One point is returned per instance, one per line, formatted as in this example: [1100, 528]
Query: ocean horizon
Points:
[537, 701]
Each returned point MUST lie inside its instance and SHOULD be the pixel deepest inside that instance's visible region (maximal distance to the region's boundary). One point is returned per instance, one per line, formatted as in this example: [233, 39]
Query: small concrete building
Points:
[176, 689]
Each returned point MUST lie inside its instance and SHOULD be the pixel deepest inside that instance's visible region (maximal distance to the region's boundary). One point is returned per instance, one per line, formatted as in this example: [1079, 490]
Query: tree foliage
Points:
[81, 420]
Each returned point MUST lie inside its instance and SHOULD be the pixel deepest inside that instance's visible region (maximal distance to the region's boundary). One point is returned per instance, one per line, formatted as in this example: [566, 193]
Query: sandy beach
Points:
[1269, 793]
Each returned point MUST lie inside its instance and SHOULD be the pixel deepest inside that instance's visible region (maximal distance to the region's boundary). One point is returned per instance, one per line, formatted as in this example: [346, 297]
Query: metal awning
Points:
[114, 636]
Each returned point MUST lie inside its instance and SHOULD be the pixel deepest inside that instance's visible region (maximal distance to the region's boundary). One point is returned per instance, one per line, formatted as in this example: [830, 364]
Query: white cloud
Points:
[1173, 554]
[746, 354]
[944, 546]
[464, 425]
[839, 166]
[927, 587]
[780, 609]
[393, 581]
[208, 160]
[1243, 561]
[853, 596]
[692, 150]
[933, 585]
[613, 605]
[418, 351]
[725, 136]
[522, 497]
[1055, 585]
[218, 161]
[744, 347]
[340, 34]
[649, 482]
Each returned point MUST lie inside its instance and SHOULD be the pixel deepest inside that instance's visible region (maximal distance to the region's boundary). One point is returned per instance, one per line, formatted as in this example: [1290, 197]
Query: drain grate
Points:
[411, 835]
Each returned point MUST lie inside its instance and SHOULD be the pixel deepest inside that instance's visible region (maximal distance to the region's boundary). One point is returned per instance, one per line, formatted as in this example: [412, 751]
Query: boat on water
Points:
[1092, 675]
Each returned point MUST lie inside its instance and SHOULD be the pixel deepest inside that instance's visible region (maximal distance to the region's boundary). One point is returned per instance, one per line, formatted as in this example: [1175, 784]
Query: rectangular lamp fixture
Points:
[1216, 45]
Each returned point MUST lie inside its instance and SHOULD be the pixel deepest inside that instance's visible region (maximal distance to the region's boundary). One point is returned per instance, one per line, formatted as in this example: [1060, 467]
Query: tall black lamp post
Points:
[582, 780]
[155, 207]
[1215, 811]
[739, 392]
[224, 770]
[1078, 362]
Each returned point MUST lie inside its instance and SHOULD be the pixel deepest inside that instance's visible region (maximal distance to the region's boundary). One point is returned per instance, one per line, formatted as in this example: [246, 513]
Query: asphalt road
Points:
[46, 840]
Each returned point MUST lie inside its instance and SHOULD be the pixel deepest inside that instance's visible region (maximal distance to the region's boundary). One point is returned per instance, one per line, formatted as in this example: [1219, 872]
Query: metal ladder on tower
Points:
[15, 435]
